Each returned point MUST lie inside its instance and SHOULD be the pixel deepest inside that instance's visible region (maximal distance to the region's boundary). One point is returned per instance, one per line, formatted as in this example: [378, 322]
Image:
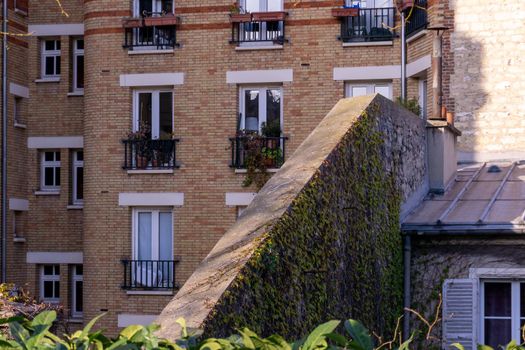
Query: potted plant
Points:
[269, 16]
[139, 145]
[165, 19]
[238, 15]
[132, 22]
[272, 131]
[272, 157]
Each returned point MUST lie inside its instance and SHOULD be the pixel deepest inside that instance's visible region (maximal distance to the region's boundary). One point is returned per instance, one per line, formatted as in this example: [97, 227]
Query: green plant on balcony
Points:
[140, 145]
[412, 104]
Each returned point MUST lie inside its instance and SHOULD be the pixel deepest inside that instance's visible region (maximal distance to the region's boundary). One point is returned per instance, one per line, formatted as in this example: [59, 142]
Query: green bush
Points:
[36, 335]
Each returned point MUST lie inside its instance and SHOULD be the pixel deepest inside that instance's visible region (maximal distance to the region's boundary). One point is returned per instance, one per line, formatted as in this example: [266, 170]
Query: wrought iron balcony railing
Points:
[149, 274]
[258, 28]
[150, 154]
[154, 31]
[369, 24]
[417, 18]
[269, 150]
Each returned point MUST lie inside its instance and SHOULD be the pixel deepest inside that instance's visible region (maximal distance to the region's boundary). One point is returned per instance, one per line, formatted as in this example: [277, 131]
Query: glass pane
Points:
[57, 176]
[79, 270]
[167, 6]
[48, 177]
[165, 115]
[144, 236]
[145, 102]
[165, 236]
[497, 332]
[274, 5]
[50, 65]
[48, 270]
[80, 155]
[57, 289]
[358, 91]
[273, 113]
[49, 156]
[57, 44]
[80, 44]
[251, 110]
[383, 90]
[80, 72]
[57, 62]
[253, 6]
[145, 5]
[57, 156]
[48, 289]
[498, 299]
[80, 183]
[57, 270]
[49, 45]
[78, 296]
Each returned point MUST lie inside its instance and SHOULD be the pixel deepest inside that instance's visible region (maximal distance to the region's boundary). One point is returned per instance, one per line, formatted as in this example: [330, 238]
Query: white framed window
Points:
[50, 171]
[78, 177]
[152, 7]
[262, 5]
[153, 111]
[355, 89]
[502, 311]
[78, 65]
[50, 58]
[259, 107]
[370, 3]
[50, 283]
[423, 98]
[18, 224]
[77, 293]
[17, 110]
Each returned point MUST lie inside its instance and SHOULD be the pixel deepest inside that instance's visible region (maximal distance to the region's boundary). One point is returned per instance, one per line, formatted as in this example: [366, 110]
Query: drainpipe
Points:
[4, 143]
[437, 72]
[407, 253]
[403, 58]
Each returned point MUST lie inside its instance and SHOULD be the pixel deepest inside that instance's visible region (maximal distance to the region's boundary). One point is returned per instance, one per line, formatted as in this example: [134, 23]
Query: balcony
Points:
[148, 154]
[248, 150]
[152, 31]
[417, 18]
[366, 24]
[149, 274]
[258, 27]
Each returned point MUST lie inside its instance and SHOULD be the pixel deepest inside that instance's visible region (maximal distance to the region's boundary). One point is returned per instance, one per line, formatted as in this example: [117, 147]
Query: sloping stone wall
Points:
[321, 239]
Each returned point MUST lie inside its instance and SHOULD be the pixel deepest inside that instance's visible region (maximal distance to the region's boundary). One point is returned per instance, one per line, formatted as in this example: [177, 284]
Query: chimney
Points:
[442, 161]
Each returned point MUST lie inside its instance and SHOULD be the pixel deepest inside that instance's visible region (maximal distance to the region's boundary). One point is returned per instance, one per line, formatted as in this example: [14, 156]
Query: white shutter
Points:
[460, 313]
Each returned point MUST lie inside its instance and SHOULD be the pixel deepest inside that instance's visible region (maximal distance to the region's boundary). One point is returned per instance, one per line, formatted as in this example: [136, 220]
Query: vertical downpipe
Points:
[407, 256]
[437, 85]
[4, 142]
[403, 59]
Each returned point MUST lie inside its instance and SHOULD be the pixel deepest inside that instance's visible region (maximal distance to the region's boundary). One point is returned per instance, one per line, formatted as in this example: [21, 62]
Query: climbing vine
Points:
[335, 253]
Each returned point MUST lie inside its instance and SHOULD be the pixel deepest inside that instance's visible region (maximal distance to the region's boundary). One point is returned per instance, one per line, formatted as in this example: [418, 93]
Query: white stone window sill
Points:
[19, 240]
[244, 171]
[265, 47]
[47, 193]
[75, 93]
[75, 320]
[75, 207]
[150, 52]
[152, 171]
[369, 43]
[149, 292]
[48, 80]
[417, 36]
[20, 126]
[20, 12]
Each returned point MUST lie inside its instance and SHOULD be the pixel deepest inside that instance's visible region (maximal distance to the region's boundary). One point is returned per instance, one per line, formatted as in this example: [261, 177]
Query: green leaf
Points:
[45, 318]
[130, 331]
[361, 339]
[246, 340]
[406, 343]
[182, 323]
[484, 347]
[19, 334]
[458, 346]
[210, 345]
[318, 335]
[337, 339]
[90, 325]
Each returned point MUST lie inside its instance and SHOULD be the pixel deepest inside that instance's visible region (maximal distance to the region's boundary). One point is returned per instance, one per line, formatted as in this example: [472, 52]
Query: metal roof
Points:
[483, 197]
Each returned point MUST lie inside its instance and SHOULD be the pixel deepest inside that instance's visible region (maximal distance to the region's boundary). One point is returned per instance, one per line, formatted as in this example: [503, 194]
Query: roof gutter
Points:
[3, 276]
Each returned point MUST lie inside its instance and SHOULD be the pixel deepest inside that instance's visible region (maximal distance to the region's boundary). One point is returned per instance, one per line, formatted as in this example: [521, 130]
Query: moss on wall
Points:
[335, 254]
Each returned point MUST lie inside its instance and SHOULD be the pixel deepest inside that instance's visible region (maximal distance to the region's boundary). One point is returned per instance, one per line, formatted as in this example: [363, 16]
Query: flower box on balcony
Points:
[132, 22]
[269, 16]
[166, 20]
[345, 12]
[240, 17]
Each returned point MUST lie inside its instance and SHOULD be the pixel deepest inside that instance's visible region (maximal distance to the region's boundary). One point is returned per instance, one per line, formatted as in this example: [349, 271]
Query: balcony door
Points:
[148, 8]
[255, 33]
[153, 113]
[259, 107]
[262, 5]
[152, 246]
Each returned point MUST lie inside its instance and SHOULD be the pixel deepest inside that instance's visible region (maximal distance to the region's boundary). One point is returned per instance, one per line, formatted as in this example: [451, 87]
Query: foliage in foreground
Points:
[36, 335]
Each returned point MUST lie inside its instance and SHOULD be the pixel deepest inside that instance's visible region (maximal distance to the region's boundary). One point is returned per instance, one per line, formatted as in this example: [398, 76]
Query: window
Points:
[50, 58]
[78, 65]
[18, 224]
[50, 171]
[151, 7]
[50, 283]
[369, 3]
[153, 113]
[78, 177]
[153, 247]
[423, 98]
[502, 311]
[368, 88]
[17, 111]
[77, 284]
[261, 107]
[262, 5]
[21, 6]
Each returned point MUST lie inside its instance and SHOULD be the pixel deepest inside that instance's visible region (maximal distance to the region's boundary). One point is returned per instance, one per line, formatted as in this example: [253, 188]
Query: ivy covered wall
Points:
[321, 240]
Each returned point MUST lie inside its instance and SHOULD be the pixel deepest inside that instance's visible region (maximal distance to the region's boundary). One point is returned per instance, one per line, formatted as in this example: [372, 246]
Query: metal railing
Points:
[258, 31]
[418, 19]
[150, 154]
[153, 37]
[149, 274]
[371, 24]
[270, 150]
